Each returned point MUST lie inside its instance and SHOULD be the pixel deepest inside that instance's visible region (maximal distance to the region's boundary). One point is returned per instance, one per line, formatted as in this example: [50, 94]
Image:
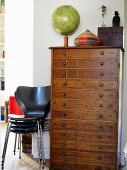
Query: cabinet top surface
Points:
[84, 47]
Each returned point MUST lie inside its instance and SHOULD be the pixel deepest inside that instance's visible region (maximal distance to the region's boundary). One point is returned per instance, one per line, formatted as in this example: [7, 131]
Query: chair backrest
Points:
[34, 101]
[14, 107]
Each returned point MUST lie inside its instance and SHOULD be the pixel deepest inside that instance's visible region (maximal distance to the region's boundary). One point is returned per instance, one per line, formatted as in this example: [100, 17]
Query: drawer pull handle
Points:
[99, 147]
[99, 157]
[102, 52]
[63, 145]
[64, 63]
[100, 127]
[65, 84]
[63, 104]
[63, 114]
[111, 127]
[64, 74]
[62, 165]
[63, 134]
[100, 105]
[63, 154]
[64, 94]
[110, 157]
[100, 137]
[101, 84]
[100, 116]
[101, 63]
[101, 94]
[101, 74]
[64, 53]
[64, 125]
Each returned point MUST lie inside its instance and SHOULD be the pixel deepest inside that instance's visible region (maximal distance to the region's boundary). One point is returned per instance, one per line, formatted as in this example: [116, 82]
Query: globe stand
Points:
[65, 41]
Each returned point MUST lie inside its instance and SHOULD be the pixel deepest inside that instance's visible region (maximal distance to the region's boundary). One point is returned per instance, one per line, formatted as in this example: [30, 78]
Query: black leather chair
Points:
[35, 103]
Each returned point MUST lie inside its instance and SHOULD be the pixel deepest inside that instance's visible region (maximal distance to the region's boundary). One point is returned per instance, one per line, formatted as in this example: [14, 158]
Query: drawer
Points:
[89, 74]
[63, 83]
[97, 147]
[64, 73]
[64, 144]
[98, 53]
[97, 85]
[57, 124]
[94, 166]
[66, 114]
[101, 105]
[89, 126]
[85, 94]
[63, 134]
[62, 153]
[83, 84]
[82, 53]
[98, 63]
[96, 74]
[93, 63]
[86, 115]
[59, 105]
[63, 164]
[108, 138]
[82, 125]
[98, 115]
[110, 158]
[64, 63]
[63, 53]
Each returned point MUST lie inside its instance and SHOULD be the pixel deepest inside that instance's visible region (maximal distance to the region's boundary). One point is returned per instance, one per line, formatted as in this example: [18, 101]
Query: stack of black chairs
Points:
[35, 103]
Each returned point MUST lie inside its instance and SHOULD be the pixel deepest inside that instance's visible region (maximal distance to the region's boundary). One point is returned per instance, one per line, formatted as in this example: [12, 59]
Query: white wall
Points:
[45, 36]
[28, 57]
[18, 44]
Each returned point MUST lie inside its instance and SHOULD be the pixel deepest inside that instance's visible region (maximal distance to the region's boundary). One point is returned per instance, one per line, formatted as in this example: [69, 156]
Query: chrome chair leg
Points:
[20, 146]
[18, 141]
[5, 145]
[41, 161]
[6, 140]
[42, 146]
[15, 143]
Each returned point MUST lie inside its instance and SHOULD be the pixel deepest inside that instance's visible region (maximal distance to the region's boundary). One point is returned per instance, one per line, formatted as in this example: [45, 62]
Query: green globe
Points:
[65, 19]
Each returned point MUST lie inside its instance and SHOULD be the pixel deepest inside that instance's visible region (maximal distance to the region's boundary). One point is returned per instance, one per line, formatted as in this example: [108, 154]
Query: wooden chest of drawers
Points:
[84, 108]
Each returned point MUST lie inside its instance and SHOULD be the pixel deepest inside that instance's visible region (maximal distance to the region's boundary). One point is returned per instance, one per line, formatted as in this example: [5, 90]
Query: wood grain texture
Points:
[84, 108]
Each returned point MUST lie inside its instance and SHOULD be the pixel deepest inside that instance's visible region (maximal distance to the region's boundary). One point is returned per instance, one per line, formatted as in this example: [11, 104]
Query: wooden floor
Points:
[12, 162]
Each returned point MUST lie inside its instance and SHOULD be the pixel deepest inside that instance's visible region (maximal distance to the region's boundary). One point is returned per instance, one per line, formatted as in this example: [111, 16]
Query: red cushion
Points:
[14, 107]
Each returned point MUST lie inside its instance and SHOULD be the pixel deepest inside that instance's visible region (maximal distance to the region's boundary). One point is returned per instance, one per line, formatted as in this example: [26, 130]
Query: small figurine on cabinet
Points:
[103, 12]
[116, 20]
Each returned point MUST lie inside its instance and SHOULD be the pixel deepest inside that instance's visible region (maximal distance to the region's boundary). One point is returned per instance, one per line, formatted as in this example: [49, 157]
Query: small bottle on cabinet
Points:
[116, 20]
